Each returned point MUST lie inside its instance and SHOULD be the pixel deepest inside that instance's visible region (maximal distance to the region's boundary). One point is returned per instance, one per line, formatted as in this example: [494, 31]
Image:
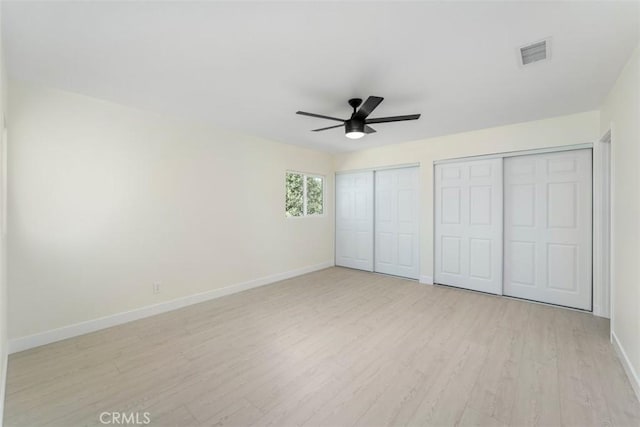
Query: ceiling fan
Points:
[358, 125]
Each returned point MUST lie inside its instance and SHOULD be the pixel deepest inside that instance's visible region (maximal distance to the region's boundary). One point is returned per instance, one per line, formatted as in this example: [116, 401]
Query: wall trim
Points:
[612, 224]
[602, 226]
[626, 364]
[502, 154]
[426, 280]
[3, 390]
[379, 168]
[76, 329]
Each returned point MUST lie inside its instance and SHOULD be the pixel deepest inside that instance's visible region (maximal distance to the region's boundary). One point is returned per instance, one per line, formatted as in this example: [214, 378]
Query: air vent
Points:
[534, 52]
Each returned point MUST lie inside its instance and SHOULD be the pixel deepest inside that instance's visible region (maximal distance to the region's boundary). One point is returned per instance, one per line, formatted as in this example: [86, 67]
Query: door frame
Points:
[602, 223]
[381, 168]
[601, 291]
[515, 153]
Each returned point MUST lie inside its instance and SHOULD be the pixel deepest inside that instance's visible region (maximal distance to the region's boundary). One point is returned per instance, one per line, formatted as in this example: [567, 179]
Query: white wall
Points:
[565, 130]
[621, 113]
[105, 200]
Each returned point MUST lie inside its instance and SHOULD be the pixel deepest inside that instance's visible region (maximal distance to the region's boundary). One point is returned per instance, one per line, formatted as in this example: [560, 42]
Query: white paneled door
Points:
[548, 228]
[396, 222]
[354, 220]
[468, 225]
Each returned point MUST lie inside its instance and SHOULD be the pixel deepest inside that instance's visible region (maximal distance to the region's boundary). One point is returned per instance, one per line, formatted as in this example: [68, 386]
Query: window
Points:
[305, 195]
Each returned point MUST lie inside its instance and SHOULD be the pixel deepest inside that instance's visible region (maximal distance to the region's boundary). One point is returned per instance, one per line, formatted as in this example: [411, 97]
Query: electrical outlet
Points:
[156, 288]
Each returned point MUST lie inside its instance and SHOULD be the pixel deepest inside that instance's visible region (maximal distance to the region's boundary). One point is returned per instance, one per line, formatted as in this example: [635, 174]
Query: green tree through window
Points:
[295, 195]
[314, 195]
[305, 195]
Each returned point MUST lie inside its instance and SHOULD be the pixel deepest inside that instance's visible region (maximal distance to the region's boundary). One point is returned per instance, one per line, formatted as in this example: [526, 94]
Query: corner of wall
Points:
[618, 113]
[634, 379]
[3, 264]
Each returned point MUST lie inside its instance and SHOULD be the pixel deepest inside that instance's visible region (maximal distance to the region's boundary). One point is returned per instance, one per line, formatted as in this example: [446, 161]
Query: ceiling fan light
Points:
[354, 135]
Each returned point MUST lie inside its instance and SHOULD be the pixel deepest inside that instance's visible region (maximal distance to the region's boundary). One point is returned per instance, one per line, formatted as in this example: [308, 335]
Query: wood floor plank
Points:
[537, 400]
[582, 402]
[494, 392]
[473, 418]
[540, 342]
[338, 347]
[446, 402]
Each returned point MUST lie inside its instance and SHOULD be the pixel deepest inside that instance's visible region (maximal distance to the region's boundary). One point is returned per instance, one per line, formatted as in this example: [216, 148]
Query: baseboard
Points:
[426, 280]
[47, 337]
[598, 311]
[3, 384]
[626, 364]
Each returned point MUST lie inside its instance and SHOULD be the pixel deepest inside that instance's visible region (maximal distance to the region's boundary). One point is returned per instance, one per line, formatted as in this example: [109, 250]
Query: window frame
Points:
[304, 194]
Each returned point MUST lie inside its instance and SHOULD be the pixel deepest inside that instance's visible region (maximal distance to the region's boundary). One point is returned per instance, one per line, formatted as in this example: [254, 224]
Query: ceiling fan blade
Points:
[330, 127]
[367, 108]
[369, 129]
[393, 119]
[320, 116]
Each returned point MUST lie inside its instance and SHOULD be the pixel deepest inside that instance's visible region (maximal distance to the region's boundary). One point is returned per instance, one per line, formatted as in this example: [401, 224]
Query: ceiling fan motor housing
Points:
[354, 125]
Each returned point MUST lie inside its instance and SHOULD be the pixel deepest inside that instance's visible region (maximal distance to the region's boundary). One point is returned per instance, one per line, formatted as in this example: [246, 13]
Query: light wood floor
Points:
[334, 348]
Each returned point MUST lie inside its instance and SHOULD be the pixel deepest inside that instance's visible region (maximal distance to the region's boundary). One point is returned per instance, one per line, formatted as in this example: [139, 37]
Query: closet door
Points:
[548, 228]
[468, 225]
[354, 220]
[396, 222]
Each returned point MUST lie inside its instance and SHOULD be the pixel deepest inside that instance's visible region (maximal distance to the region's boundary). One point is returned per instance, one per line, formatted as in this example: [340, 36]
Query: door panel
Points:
[548, 228]
[396, 222]
[354, 220]
[468, 222]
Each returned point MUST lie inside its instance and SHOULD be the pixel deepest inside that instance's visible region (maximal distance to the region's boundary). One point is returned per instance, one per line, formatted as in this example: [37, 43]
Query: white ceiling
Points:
[250, 66]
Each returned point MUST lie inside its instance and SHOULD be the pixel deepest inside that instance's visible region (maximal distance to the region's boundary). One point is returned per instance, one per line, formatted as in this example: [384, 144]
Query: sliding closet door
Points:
[354, 220]
[396, 222]
[548, 228]
[468, 225]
